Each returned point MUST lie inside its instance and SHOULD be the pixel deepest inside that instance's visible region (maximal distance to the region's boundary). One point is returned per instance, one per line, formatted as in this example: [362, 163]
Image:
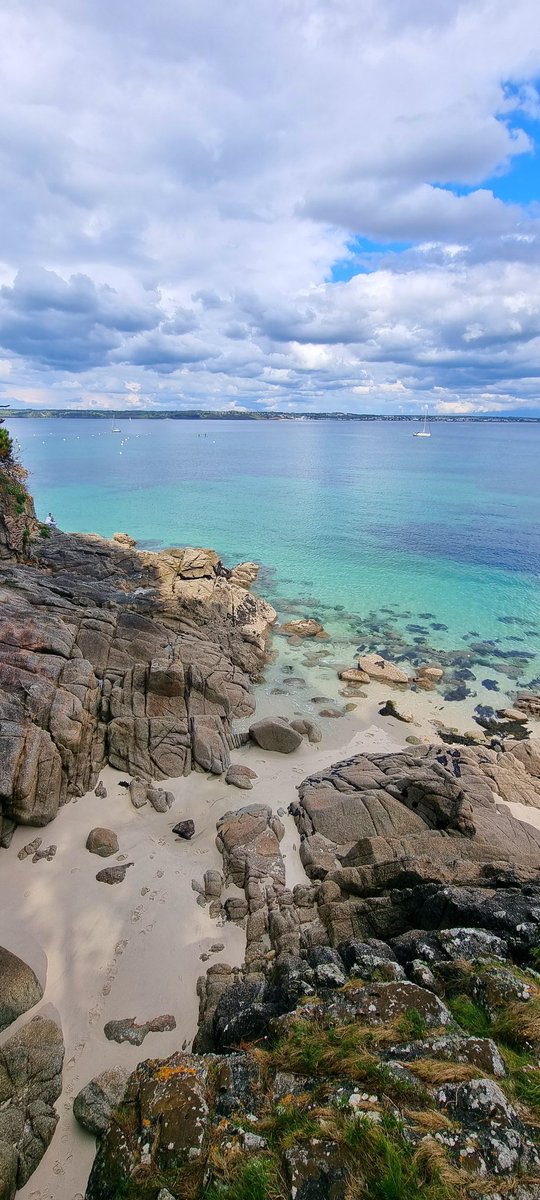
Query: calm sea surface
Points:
[348, 519]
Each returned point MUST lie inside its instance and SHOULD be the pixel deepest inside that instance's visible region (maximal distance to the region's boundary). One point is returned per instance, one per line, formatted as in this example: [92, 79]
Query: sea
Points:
[426, 549]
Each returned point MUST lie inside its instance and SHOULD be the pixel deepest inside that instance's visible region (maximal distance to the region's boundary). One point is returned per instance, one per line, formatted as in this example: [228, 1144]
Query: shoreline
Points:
[134, 949]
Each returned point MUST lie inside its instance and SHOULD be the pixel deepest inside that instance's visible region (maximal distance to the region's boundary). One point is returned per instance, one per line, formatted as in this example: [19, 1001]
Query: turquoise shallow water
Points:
[358, 517]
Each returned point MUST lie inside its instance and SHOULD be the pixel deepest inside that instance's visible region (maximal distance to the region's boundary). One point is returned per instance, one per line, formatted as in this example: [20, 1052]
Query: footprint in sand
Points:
[136, 914]
[120, 946]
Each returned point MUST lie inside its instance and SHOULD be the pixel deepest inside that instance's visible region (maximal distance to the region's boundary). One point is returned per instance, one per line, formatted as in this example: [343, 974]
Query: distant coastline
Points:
[122, 414]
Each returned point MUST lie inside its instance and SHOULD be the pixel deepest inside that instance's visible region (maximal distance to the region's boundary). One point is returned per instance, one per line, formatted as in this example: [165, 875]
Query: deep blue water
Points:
[341, 514]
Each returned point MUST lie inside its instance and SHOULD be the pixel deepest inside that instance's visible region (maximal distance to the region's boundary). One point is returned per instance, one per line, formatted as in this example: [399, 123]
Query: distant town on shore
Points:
[197, 414]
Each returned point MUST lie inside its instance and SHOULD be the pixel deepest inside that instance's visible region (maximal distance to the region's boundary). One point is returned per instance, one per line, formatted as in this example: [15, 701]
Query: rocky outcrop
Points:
[371, 1033]
[30, 1083]
[381, 822]
[108, 654]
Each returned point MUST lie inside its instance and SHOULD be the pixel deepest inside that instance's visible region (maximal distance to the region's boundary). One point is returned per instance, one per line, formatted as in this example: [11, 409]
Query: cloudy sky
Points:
[284, 204]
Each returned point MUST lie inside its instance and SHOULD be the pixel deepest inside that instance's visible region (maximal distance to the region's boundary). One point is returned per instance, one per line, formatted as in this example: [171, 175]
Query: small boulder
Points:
[274, 733]
[100, 791]
[240, 776]
[354, 675]
[113, 874]
[93, 1105]
[184, 830]
[102, 841]
[307, 728]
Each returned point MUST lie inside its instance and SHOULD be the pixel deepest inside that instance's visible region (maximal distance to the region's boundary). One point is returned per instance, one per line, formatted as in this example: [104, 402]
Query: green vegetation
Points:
[470, 1016]
[256, 1178]
[385, 1166]
[6, 446]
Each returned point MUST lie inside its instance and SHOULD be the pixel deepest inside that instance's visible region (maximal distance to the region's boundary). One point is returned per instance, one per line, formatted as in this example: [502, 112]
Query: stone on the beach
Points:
[100, 791]
[274, 733]
[126, 1029]
[184, 830]
[19, 988]
[513, 714]
[30, 1083]
[240, 776]
[354, 675]
[213, 884]
[30, 848]
[160, 800]
[331, 712]
[113, 874]
[308, 728]
[102, 841]
[93, 1105]
[379, 668]
[309, 628]
[138, 792]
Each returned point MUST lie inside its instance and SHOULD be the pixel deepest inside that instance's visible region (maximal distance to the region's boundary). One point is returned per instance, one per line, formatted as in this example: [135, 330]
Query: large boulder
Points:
[274, 733]
[377, 667]
[19, 987]
[30, 1083]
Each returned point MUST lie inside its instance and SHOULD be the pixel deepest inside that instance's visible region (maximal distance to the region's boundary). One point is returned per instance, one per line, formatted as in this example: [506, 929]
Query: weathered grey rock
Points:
[113, 875]
[274, 733]
[213, 884]
[240, 776]
[102, 841]
[93, 1105]
[307, 728]
[109, 653]
[19, 987]
[100, 791]
[126, 1029]
[184, 830]
[30, 1083]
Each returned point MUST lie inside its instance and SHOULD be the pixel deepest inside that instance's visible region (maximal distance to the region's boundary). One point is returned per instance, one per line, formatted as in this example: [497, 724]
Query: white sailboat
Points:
[425, 431]
[115, 428]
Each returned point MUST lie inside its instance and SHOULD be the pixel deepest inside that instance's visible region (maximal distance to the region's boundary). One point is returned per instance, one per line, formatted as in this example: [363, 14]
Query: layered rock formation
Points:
[111, 655]
[382, 1036]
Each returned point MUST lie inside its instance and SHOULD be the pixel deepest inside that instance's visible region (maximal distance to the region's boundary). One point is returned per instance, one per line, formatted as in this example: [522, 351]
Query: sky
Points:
[292, 205]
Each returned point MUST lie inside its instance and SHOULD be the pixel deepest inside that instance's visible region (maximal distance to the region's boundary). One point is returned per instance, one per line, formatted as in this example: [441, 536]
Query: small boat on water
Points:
[115, 428]
[425, 431]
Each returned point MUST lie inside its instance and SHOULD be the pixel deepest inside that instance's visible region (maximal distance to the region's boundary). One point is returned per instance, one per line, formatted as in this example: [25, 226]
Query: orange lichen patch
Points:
[163, 1074]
